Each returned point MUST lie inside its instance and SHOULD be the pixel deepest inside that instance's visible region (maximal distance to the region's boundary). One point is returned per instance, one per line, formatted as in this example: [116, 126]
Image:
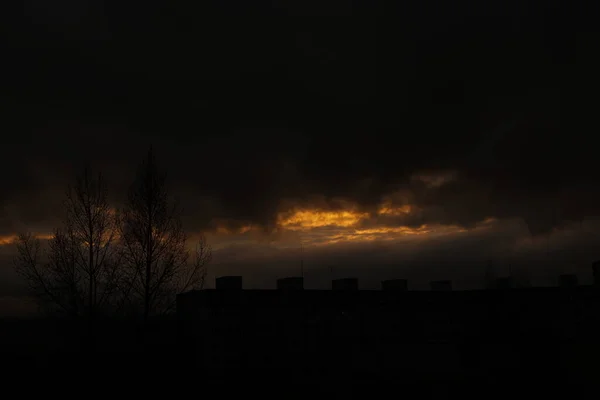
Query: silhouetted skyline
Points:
[418, 142]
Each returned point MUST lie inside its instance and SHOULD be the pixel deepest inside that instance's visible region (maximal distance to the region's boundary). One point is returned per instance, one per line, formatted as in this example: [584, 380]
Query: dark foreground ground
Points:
[34, 350]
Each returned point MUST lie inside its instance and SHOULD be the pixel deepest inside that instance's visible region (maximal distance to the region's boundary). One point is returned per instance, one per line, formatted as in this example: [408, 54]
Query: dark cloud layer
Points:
[252, 104]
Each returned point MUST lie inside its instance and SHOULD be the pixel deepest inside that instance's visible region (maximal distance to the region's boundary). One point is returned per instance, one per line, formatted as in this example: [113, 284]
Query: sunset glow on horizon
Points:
[10, 239]
[319, 227]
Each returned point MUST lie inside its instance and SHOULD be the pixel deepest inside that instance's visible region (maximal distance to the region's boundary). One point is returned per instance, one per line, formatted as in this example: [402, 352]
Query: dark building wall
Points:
[568, 280]
[290, 283]
[271, 327]
[596, 272]
[504, 283]
[442, 286]
[395, 284]
[344, 284]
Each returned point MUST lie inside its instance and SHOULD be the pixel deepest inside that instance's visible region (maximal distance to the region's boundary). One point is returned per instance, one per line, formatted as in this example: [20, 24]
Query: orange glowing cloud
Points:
[10, 239]
[229, 227]
[223, 230]
[309, 219]
[303, 219]
[387, 233]
[322, 227]
[388, 209]
[369, 235]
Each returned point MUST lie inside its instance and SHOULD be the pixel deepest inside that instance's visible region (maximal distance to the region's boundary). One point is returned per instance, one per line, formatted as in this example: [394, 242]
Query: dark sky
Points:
[266, 113]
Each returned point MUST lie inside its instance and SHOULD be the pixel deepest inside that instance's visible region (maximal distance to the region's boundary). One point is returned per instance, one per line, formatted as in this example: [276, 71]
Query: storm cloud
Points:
[258, 106]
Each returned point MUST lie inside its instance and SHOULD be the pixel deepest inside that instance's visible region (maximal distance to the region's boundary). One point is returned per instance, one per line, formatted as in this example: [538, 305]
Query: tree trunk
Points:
[91, 284]
[91, 269]
[147, 289]
[149, 204]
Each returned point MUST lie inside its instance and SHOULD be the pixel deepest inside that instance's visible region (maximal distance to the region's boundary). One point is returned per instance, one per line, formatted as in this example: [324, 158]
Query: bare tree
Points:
[79, 271]
[91, 225]
[49, 281]
[154, 244]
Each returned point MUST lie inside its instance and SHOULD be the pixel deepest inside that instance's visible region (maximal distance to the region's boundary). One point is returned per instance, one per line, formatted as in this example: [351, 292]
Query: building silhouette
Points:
[504, 283]
[344, 284]
[291, 283]
[568, 280]
[395, 284]
[441, 286]
[293, 326]
[596, 272]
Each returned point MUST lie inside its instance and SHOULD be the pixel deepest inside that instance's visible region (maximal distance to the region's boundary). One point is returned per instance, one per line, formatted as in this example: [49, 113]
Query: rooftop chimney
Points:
[568, 280]
[345, 284]
[395, 284]
[291, 283]
[229, 283]
[444, 286]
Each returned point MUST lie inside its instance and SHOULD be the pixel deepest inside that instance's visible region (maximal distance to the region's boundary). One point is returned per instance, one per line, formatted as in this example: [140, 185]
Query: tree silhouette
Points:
[52, 284]
[78, 273]
[154, 244]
